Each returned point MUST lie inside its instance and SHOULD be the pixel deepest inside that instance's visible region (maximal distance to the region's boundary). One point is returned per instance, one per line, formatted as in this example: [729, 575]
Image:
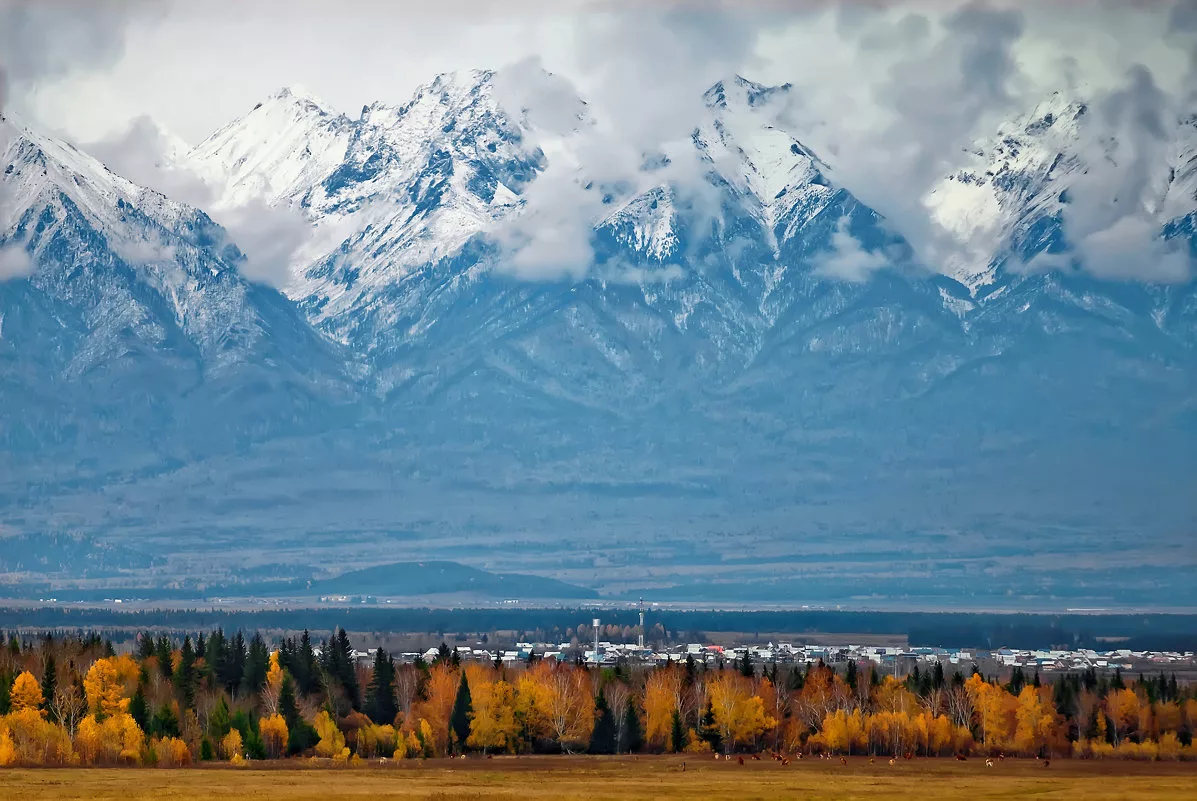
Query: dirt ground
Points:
[523, 778]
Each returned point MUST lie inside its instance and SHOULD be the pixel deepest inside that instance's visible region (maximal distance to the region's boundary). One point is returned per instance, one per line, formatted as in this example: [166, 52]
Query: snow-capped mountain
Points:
[1010, 206]
[749, 349]
[133, 305]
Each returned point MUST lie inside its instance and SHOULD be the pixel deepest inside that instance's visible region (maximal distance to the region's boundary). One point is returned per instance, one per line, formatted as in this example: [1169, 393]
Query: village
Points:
[893, 661]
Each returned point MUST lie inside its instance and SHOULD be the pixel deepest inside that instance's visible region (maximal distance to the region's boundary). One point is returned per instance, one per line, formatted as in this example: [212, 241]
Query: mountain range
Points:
[757, 391]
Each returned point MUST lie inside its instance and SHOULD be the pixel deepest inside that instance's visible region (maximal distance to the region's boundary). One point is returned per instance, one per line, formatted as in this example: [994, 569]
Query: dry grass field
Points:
[560, 778]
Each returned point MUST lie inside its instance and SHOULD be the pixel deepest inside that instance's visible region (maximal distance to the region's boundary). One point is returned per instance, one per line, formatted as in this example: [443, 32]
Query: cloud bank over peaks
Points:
[268, 236]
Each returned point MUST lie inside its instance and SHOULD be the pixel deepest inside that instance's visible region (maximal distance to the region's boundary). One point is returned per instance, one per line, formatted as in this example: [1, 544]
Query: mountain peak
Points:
[738, 90]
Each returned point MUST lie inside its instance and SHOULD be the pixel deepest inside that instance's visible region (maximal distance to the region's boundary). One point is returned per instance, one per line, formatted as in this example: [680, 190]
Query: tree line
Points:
[74, 700]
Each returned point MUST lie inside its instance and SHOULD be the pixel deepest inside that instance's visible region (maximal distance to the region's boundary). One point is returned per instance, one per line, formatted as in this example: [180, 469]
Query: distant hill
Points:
[419, 579]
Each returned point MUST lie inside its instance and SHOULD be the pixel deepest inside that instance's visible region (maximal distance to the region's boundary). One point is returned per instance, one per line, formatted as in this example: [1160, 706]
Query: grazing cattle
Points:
[893, 761]
[490, 756]
[784, 762]
[741, 759]
[1047, 762]
[908, 755]
[718, 756]
[961, 757]
[1001, 756]
[871, 760]
[843, 760]
[756, 757]
[989, 763]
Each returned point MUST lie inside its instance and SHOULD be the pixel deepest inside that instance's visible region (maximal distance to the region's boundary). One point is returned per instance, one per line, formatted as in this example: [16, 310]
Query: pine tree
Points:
[602, 739]
[937, 677]
[206, 754]
[631, 732]
[677, 733]
[746, 669]
[850, 675]
[691, 670]
[463, 710]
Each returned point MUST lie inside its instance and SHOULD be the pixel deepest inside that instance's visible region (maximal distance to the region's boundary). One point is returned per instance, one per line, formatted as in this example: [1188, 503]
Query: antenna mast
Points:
[641, 638]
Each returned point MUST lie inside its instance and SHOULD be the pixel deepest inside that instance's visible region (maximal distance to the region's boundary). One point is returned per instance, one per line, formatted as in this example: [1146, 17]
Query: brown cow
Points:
[741, 759]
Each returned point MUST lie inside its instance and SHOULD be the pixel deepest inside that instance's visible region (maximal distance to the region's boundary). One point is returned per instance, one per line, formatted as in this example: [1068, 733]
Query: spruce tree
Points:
[380, 695]
[218, 721]
[746, 669]
[138, 708]
[164, 652]
[850, 675]
[631, 732]
[287, 705]
[305, 676]
[602, 739]
[185, 676]
[709, 731]
[463, 710]
[257, 663]
[677, 733]
[49, 682]
[937, 677]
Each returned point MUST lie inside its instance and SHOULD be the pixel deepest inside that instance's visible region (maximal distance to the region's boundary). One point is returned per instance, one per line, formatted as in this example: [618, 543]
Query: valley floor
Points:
[588, 777]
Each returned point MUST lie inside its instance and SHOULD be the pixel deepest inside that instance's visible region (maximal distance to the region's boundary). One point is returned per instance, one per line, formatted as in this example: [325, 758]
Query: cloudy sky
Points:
[897, 88]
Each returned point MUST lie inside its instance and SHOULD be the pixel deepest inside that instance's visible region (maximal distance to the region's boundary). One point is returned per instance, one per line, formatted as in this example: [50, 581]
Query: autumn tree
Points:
[26, 693]
[739, 715]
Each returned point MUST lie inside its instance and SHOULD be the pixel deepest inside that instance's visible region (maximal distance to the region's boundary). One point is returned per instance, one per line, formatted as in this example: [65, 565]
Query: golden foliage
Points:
[231, 745]
[332, 740]
[172, 752]
[494, 726]
[26, 693]
[273, 730]
[108, 683]
[116, 738]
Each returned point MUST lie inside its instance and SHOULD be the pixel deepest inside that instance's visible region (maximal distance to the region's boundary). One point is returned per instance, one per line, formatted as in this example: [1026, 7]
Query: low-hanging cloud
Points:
[892, 95]
[40, 40]
[15, 261]
[267, 236]
[1112, 216]
[642, 74]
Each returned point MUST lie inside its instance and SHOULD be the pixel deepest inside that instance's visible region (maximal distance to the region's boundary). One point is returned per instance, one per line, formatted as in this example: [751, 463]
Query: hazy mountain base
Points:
[676, 505]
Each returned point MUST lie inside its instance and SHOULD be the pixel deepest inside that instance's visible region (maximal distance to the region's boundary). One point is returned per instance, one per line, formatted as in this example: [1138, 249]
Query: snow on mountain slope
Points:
[130, 289]
[397, 188]
[1009, 205]
[287, 143]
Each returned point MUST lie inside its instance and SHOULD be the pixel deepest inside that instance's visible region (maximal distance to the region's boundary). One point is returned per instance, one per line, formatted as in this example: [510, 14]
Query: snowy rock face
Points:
[756, 340]
[132, 305]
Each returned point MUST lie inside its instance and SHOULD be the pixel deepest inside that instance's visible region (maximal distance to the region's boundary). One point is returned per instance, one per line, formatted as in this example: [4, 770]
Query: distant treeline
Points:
[965, 630]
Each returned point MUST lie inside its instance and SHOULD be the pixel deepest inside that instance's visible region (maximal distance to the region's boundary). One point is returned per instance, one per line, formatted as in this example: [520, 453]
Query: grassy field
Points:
[559, 778]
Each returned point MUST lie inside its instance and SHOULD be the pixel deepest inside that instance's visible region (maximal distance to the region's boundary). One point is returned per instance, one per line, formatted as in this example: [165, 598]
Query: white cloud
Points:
[15, 261]
[847, 260]
[890, 93]
[268, 236]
